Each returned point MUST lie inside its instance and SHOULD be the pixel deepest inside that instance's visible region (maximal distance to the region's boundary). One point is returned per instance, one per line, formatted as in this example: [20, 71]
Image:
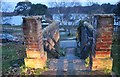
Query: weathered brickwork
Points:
[36, 57]
[103, 42]
[104, 37]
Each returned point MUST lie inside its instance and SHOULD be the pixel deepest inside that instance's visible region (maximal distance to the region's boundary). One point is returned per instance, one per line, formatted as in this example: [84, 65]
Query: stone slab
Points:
[35, 62]
[102, 64]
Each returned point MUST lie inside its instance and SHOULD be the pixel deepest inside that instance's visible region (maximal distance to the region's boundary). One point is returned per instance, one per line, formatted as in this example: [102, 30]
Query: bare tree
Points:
[66, 18]
[90, 3]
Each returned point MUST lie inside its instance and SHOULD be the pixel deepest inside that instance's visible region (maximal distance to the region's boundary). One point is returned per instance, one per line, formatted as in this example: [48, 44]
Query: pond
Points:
[13, 20]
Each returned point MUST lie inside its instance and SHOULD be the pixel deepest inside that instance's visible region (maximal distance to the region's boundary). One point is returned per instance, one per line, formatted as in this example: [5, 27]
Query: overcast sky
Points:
[13, 3]
[82, 1]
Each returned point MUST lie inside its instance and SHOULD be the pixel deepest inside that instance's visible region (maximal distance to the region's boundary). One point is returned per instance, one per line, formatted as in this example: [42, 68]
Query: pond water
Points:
[14, 20]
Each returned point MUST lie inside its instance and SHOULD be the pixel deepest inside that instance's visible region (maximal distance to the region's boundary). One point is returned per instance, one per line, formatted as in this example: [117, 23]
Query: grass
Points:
[31, 71]
[87, 60]
[116, 53]
[10, 54]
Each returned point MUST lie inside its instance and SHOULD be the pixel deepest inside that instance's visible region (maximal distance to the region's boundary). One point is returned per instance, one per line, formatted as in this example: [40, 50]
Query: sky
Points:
[13, 3]
[82, 1]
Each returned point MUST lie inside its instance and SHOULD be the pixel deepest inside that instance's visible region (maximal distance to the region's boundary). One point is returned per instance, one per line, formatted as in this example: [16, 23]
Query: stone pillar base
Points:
[102, 64]
[35, 62]
[36, 54]
[102, 61]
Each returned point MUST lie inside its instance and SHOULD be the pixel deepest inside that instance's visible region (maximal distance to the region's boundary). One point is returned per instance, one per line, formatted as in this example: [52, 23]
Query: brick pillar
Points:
[104, 27]
[36, 57]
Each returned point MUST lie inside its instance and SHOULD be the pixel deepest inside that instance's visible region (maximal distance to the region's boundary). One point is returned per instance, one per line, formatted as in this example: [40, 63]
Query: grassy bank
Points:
[12, 54]
[116, 52]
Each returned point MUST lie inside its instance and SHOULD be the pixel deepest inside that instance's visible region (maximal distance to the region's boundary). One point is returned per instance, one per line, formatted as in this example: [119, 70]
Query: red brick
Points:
[103, 37]
[107, 33]
[103, 49]
[109, 42]
[99, 52]
[107, 39]
[98, 43]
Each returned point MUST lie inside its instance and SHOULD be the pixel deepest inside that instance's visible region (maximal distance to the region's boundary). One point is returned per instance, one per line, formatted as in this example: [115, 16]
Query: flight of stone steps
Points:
[69, 65]
[66, 67]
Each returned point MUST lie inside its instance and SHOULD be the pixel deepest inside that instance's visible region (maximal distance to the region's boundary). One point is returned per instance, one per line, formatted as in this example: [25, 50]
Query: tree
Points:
[38, 9]
[66, 18]
[107, 8]
[90, 2]
[117, 9]
[27, 8]
[23, 8]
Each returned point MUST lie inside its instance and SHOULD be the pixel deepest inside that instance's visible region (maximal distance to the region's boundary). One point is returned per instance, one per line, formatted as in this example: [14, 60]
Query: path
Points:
[68, 65]
[68, 43]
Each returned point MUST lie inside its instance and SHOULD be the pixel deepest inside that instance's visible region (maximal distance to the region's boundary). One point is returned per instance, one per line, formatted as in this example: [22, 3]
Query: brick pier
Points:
[32, 29]
[104, 29]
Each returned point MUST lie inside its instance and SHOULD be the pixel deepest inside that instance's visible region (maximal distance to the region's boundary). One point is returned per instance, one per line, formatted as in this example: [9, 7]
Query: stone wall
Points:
[36, 57]
[104, 29]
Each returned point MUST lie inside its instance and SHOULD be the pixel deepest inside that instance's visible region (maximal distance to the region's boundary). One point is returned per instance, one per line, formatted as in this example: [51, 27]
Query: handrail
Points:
[48, 33]
[92, 32]
[87, 43]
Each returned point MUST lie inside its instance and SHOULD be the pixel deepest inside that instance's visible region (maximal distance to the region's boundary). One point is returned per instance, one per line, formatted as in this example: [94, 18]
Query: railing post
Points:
[32, 29]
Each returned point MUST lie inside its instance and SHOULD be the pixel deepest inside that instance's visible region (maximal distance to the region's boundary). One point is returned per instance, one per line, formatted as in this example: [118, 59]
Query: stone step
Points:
[64, 73]
[65, 65]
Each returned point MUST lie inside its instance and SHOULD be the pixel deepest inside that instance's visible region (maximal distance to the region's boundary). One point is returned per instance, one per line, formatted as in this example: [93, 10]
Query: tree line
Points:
[93, 9]
[27, 8]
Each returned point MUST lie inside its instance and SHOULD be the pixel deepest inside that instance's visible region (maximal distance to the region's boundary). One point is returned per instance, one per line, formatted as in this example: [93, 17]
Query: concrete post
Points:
[32, 29]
